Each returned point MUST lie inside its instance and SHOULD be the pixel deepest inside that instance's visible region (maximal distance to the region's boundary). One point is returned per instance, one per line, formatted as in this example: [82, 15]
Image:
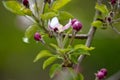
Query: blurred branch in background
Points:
[91, 33]
[115, 76]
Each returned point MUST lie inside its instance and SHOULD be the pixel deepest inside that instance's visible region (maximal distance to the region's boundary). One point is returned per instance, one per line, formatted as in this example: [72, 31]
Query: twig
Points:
[90, 34]
[88, 42]
[114, 28]
[78, 36]
[117, 20]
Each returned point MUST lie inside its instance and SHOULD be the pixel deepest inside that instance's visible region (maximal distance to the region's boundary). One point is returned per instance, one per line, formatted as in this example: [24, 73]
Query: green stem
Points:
[66, 36]
[72, 38]
[47, 46]
[59, 39]
[42, 22]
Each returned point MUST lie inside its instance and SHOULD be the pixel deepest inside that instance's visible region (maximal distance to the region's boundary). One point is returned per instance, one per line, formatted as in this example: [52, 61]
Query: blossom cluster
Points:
[55, 26]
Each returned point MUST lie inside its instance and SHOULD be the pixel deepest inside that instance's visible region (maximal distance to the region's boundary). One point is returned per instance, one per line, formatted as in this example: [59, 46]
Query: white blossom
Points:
[55, 25]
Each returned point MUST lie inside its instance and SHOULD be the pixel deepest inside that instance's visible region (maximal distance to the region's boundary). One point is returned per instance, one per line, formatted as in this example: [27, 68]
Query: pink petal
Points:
[67, 25]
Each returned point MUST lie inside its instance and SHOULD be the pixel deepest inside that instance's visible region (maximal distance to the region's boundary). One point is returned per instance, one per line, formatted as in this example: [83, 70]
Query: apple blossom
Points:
[55, 26]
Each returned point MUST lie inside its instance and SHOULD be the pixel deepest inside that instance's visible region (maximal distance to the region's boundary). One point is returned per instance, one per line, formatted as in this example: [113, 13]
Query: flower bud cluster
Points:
[101, 74]
[54, 25]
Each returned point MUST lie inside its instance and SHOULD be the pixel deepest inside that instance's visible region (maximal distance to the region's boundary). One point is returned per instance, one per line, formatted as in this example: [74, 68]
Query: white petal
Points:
[54, 22]
[32, 6]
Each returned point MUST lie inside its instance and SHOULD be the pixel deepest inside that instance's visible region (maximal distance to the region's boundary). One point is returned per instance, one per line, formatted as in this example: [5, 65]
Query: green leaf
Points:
[27, 11]
[81, 46]
[16, 7]
[54, 69]
[49, 61]
[54, 46]
[42, 54]
[79, 77]
[59, 4]
[74, 58]
[81, 51]
[47, 8]
[30, 32]
[102, 8]
[97, 24]
[66, 38]
[63, 51]
[63, 15]
[48, 15]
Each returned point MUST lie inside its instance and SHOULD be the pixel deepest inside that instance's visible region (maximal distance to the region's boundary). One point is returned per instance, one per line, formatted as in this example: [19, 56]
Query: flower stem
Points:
[48, 47]
[72, 38]
[60, 40]
[114, 28]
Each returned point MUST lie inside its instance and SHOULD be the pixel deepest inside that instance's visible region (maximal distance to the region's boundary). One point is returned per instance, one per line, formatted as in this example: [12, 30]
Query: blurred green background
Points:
[16, 57]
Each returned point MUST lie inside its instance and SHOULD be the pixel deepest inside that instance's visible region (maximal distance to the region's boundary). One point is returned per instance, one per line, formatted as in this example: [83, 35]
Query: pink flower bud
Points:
[37, 36]
[104, 71]
[73, 21]
[101, 74]
[26, 3]
[76, 25]
[113, 2]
